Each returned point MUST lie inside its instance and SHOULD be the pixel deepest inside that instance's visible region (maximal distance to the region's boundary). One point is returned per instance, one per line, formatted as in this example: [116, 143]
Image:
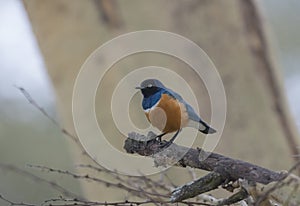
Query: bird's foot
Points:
[158, 137]
[165, 144]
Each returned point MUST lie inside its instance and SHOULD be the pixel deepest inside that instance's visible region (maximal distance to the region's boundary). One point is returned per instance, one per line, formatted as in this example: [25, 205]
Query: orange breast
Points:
[169, 115]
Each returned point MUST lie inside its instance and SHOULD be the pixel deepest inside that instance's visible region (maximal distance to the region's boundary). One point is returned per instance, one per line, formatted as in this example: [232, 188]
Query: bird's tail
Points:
[205, 128]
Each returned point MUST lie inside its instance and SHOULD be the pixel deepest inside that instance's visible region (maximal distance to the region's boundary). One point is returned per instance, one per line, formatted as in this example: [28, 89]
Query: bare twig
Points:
[38, 179]
[277, 185]
[141, 179]
[75, 202]
[14, 203]
[119, 185]
[44, 112]
[202, 185]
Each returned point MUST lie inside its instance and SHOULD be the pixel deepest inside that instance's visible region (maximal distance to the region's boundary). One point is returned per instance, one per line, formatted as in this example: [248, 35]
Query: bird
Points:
[168, 111]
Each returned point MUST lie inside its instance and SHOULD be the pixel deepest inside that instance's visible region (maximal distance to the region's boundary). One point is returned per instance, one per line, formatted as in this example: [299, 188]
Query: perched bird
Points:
[167, 110]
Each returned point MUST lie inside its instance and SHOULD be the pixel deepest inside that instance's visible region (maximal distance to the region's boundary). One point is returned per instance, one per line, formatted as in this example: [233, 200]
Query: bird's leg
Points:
[175, 135]
[167, 144]
[158, 137]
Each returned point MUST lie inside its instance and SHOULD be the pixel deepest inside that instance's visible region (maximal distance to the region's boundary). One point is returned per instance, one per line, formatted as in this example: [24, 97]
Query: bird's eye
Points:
[149, 85]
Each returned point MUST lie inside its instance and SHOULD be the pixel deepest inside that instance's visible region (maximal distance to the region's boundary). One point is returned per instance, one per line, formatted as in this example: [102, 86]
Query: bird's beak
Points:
[138, 87]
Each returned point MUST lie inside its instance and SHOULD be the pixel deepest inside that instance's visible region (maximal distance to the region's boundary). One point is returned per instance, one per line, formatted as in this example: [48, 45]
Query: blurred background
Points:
[40, 46]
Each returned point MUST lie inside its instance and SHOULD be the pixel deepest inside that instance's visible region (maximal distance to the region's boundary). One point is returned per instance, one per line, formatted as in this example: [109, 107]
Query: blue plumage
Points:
[150, 101]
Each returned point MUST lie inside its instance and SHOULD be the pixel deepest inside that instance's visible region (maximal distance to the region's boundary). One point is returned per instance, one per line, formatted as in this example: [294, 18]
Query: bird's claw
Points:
[165, 144]
[158, 138]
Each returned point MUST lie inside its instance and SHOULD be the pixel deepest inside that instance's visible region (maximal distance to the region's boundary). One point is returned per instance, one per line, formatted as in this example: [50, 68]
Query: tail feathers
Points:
[205, 128]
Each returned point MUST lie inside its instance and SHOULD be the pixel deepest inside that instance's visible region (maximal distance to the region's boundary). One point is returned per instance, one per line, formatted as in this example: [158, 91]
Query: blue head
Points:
[151, 90]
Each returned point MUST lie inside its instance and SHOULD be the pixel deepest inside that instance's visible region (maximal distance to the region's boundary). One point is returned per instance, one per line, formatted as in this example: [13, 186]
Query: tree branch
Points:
[204, 184]
[223, 169]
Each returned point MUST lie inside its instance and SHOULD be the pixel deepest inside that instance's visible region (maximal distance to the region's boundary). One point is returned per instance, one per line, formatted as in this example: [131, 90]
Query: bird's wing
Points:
[191, 112]
[174, 94]
[196, 121]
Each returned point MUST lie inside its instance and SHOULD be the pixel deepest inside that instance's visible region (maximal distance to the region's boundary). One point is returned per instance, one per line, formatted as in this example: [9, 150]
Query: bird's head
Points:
[150, 86]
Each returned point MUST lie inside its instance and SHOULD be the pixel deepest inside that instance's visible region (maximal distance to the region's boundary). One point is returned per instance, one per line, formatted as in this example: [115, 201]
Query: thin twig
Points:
[75, 202]
[35, 178]
[11, 203]
[69, 202]
[94, 179]
[277, 185]
[45, 113]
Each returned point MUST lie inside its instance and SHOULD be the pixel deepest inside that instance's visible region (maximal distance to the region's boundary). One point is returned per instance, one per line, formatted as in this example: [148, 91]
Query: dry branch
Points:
[223, 169]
